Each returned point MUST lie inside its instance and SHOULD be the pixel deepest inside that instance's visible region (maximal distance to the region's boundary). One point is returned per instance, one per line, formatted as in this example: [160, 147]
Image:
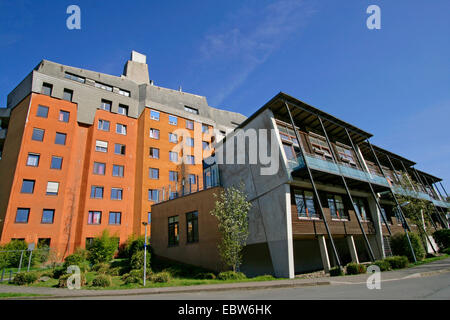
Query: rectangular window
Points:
[173, 120]
[173, 175]
[56, 163]
[64, 116]
[43, 243]
[27, 186]
[101, 146]
[119, 149]
[118, 170]
[60, 138]
[115, 218]
[47, 89]
[190, 159]
[189, 142]
[33, 159]
[173, 138]
[153, 195]
[336, 206]
[153, 173]
[154, 115]
[75, 78]
[149, 217]
[38, 134]
[174, 236]
[95, 217]
[99, 168]
[361, 208]
[289, 151]
[345, 155]
[189, 124]
[123, 109]
[103, 86]
[67, 95]
[52, 188]
[190, 109]
[154, 133]
[320, 148]
[205, 128]
[124, 92]
[106, 105]
[116, 193]
[96, 192]
[191, 179]
[304, 201]
[89, 242]
[154, 153]
[48, 216]
[22, 215]
[121, 129]
[192, 227]
[42, 112]
[103, 125]
[173, 156]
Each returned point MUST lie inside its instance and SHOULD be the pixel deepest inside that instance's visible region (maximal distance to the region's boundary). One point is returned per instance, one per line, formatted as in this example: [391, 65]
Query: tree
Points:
[231, 210]
[102, 248]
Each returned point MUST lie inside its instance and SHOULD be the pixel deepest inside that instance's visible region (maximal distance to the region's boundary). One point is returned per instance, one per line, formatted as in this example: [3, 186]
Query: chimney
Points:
[136, 69]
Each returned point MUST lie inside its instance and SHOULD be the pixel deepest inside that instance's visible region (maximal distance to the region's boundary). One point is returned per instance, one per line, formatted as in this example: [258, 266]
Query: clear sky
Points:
[393, 82]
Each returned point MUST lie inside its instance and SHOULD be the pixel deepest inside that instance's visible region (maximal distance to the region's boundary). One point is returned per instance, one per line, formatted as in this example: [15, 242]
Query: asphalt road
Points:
[431, 287]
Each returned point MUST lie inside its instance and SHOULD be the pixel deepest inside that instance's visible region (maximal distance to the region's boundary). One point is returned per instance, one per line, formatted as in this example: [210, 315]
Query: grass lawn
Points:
[17, 294]
[428, 260]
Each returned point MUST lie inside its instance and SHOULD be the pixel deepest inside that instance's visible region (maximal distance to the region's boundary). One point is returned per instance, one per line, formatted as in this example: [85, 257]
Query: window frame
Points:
[28, 211]
[173, 225]
[192, 236]
[43, 215]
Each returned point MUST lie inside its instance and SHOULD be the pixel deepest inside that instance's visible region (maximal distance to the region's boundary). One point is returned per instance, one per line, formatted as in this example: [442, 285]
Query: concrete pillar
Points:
[324, 253]
[352, 249]
[376, 241]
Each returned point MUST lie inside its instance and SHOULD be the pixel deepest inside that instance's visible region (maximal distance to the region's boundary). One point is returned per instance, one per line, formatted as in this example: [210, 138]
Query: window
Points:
[154, 133]
[60, 138]
[47, 216]
[336, 206]
[121, 129]
[173, 138]
[67, 95]
[173, 175]
[191, 179]
[52, 188]
[103, 125]
[118, 170]
[101, 146]
[172, 195]
[56, 163]
[106, 105]
[190, 109]
[383, 212]
[205, 145]
[116, 193]
[189, 142]
[153, 195]
[173, 120]
[192, 227]
[103, 86]
[320, 148]
[96, 192]
[304, 200]
[345, 155]
[27, 186]
[115, 218]
[43, 243]
[189, 124]
[289, 151]
[149, 217]
[42, 111]
[205, 128]
[89, 242]
[153, 173]
[33, 159]
[124, 92]
[190, 159]
[94, 217]
[154, 153]
[154, 115]
[38, 134]
[119, 149]
[174, 236]
[22, 215]
[99, 168]
[361, 208]
[74, 77]
[64, 116]
[123, 109]
[173, 156]
[47, 89]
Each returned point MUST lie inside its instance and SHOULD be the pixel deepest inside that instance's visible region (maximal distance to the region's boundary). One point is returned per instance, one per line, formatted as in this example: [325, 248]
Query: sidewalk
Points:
[433, 268]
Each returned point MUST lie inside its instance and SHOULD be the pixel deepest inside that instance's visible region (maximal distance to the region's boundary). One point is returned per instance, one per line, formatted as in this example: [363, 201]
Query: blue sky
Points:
[393, 82]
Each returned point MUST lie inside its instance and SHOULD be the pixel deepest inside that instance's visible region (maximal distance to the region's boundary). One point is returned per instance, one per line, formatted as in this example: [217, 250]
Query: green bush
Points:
[205, 276]
[113, 271]
[400, 246]
[62, 282]
[58, 272]
[383, 265]
[23, 278]
[78, 258]
[161, 277]
[102, 248]
[102, 280]
[355, 268]
[397, 262]
[231, 275]
[12, 259]
[442, 238]
[134, 276]
[446, 251]
[336, 272]
[101, 267]
[137, 260]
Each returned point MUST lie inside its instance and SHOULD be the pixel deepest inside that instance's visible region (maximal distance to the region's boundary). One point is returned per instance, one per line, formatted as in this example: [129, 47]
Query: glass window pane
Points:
[38, 134]
[56, 163]
[42, 111]
[27, 186]
[22, 215]
[60, 138]
[47, 216]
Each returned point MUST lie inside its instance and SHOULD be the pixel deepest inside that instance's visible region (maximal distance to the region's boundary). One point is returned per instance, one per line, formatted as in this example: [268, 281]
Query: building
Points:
[326, 197]
[83, 151]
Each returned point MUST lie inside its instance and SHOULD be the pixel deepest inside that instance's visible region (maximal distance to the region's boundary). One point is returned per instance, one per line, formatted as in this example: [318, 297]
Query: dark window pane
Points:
[22, 215]
[27, 186]
[64, 116]
[68, 94]
[60, 138]
[42, 111]
[56, 163]
[38, 134]
[47, 216]
[119, 149]
[47, 89]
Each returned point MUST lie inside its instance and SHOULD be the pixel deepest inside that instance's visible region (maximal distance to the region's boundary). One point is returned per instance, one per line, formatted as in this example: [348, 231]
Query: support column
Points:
[324, 253]
[352, 248]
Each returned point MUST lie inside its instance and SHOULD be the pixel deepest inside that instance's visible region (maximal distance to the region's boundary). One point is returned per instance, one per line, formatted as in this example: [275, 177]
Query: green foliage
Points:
[137, 260]
[134, 276]
[231, 210]
[102, 248]
[355, 268]
[114, 271]
[78, 258]
[101, 267]
[383, 265]
[102, 280]
[62, 283]
[446, 251]
[58, 272]
[231, 275]
[23, 278]
[161, 277]
[442, 238]
[336, 271]
[12, 259]
[397, 262]
[400, 246]
[205, 276]
[133, 245]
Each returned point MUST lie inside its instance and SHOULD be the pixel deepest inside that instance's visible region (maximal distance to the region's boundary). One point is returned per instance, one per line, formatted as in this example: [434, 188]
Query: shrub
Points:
[78, 258]
[137, 260]
[205, 276]
[12, 259]
[355, 268]
[113, 271]
[231, 275]
[62, 283]
[132, 246]
[101, 267]
[135, 276]
[442, 238]
[23, 278]
[58, 272]
[161, 277]
[400, 246]
[102, 248]
[397, 262]
[102, 280]
[446, 251]
[383, 265]
[336, 271]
